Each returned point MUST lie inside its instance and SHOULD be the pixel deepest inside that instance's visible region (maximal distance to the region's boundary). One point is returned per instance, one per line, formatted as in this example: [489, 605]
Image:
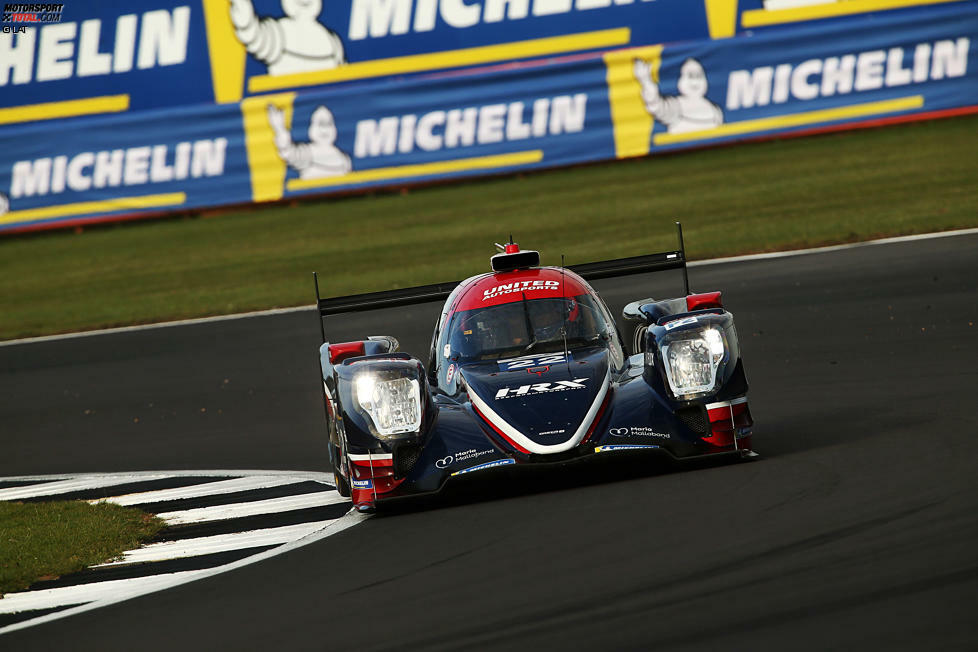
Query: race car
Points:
[527, 366]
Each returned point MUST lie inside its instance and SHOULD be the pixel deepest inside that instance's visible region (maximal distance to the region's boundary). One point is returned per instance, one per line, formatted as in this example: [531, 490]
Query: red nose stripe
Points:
[499, 432]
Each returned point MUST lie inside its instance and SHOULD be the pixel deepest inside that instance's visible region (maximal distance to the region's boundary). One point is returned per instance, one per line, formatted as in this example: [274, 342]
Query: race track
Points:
[856, 531]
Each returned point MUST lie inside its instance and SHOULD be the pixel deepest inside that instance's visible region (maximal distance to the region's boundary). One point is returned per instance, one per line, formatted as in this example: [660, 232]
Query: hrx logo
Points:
[540, 388]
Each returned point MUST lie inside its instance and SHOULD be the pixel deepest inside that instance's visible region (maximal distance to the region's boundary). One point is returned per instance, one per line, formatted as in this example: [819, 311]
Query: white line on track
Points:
[82, 593]
[79, 598]
[841, 247]
[695, 263]
[218, 543]
[196, 491]
[238, 510]
[75, 484]
[157, 583]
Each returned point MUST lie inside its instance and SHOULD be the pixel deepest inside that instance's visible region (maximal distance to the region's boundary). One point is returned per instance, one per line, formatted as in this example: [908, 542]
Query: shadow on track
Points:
[509, 482]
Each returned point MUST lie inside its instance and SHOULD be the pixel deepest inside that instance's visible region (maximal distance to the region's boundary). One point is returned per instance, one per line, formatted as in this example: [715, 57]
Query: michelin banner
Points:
[542, 113]
[82, 57]
[776, 82]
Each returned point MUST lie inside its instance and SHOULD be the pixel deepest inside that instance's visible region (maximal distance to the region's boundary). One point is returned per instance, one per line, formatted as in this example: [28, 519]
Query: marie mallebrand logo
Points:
[18, 16]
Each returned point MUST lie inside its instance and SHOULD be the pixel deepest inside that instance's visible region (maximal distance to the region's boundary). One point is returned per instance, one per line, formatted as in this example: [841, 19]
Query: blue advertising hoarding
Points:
[113, 56]
[393, 131]
[776, 82]
[108, 56]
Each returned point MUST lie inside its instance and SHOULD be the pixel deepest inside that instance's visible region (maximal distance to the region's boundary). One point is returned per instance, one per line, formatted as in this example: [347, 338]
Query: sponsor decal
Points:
[529, 362]
[378, 19]
[463, 456]
[484, 125]
[553, 432]
[621, 447]
[540, 388]
[89, 171]
[67, 50]
[685, 321]
[447, 350]
[317, 158]
[450, 373]
[362, 484]
[636, 431]
[521, 286]
[294, 43]
[854, 72]
[690, 110]
[486, 465]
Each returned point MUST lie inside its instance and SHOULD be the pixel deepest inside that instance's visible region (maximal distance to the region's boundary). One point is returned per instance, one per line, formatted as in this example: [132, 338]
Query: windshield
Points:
[526, 326]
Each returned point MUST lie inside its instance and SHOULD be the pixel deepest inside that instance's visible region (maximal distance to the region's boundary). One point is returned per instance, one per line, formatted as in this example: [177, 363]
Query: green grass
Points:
[765, 196]
[48, 539]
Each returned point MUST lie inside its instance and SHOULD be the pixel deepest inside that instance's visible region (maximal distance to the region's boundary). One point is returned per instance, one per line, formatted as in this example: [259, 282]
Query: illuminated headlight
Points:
[691, 363]
[394, 405]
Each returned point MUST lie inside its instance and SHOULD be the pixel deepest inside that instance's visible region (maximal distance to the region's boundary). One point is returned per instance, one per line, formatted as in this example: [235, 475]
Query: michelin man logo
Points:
[295, 43]
[316, 159]
[690, 110]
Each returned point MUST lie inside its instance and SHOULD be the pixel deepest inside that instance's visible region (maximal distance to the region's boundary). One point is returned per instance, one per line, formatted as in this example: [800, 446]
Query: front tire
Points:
[342, 484]
[638, 339]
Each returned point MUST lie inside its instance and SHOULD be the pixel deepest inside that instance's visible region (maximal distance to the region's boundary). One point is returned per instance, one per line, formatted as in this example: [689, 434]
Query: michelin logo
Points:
[621, 447]
[319, 157]
[118, 167]
[486, 465]
[484, 125]
[865, 71]
[65, 50]
[690, 110]
[297, 42]
[381, 18]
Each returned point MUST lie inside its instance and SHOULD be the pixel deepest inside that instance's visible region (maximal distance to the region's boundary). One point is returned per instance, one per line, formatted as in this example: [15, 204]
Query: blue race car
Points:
[527, 366]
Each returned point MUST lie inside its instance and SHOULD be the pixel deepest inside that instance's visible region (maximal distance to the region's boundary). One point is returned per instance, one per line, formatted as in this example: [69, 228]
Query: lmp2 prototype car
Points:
[527, 366]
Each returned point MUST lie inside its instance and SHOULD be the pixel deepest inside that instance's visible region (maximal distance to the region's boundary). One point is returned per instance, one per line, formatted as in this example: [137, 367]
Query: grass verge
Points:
[765, 196]
[49, 539]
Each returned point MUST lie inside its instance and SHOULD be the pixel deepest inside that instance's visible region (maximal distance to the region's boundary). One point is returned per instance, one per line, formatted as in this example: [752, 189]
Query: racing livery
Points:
[527, 366]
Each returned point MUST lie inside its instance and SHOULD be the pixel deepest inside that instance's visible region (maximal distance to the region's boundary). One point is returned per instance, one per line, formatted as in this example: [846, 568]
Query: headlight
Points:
[692, 361]
[394, 405]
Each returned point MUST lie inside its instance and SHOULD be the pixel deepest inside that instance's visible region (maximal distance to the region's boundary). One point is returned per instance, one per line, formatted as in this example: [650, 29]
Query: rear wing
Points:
[440, 291]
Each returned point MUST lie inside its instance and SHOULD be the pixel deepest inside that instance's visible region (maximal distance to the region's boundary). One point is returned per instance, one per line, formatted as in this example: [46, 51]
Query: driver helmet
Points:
[547, 323]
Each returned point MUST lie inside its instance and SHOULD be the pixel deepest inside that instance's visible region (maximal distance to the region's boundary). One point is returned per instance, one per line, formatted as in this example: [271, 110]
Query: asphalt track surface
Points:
[856, 531]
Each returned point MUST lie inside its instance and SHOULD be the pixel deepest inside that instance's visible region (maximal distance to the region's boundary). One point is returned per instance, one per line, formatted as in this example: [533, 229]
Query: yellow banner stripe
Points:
[66, 109]
[450, 59]
[101, 206]
[795, 120]
[762, 17]
[421, 170]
